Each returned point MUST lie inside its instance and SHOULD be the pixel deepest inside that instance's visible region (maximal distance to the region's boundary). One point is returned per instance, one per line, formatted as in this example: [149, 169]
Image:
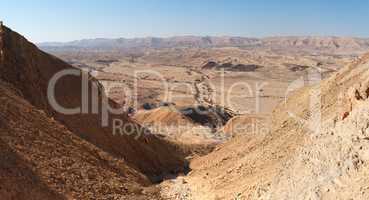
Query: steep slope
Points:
[29, 70]
[41, 159]
[333, 164]
[18, 181]
[253, 125]
[316, 148]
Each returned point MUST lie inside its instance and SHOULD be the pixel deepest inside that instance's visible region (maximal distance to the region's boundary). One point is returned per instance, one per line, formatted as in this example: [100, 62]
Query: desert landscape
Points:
[244, 77]
[184, 117]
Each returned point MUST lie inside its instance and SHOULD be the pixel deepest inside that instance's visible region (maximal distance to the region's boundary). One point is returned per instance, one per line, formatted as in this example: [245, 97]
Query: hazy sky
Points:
[65, 20]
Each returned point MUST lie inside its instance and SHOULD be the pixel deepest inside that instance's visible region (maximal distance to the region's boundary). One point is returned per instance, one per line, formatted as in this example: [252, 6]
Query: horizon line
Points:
[203, 36]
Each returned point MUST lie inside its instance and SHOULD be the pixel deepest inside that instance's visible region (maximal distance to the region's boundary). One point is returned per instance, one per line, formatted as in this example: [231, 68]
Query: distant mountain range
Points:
[308, 42]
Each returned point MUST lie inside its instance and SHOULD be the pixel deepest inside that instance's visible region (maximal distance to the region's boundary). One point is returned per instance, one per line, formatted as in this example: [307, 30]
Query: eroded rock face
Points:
[333, 165]
[333, 161]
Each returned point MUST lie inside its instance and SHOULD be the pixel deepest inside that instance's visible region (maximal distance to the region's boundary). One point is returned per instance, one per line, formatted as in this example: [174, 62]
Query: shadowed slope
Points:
[18, 181]
[29, 70]
[41, 159]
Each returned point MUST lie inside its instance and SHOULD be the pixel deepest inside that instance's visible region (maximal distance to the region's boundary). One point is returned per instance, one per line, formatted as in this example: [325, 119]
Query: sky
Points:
[67, 20]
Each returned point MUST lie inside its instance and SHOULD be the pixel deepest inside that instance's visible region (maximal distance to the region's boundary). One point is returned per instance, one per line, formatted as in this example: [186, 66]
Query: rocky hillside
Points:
[54, 155]
[42, 159]
[334, 161]
[29, 71]
[315, 149]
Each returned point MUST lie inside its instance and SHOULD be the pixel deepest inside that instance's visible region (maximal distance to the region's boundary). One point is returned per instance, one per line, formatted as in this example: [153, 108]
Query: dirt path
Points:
[203, 92]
